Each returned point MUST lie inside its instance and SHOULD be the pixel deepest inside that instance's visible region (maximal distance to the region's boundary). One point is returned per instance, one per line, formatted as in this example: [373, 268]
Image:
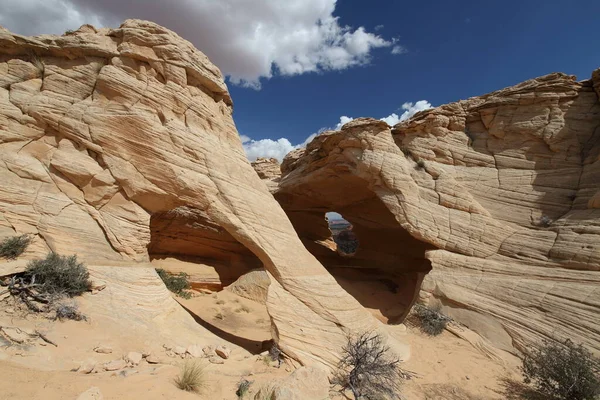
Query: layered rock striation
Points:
[119, 144]
[488, 206]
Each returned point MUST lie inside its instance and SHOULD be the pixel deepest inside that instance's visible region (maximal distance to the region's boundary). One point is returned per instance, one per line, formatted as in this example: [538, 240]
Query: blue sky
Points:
[455, 50]
[314, 61]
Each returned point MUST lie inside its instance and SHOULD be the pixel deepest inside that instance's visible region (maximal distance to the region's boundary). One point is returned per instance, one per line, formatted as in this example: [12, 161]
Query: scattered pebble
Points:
[103, 350]
[223, 351]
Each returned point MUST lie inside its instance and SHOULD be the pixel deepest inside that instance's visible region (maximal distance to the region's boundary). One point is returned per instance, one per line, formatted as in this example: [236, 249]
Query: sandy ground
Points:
[448, 367]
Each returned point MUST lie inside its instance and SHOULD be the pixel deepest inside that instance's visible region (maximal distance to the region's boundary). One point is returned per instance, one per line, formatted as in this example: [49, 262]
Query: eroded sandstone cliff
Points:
[493, 200]
[119, 144]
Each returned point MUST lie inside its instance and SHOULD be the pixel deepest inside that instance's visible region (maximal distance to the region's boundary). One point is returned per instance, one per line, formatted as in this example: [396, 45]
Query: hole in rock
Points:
[343, 223]
[187, 240]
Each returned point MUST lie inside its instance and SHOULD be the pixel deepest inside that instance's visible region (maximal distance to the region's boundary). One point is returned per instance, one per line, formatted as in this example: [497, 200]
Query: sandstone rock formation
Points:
[268, 170]
[119, 144]
[493, 201]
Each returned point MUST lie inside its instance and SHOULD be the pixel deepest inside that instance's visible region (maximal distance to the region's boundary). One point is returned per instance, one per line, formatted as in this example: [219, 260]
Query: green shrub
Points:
[176, 283]
[563, 371]
[12, 247]
[59, 275]
[191, 377]
[243, 387]
[431, 321]
[545, 221]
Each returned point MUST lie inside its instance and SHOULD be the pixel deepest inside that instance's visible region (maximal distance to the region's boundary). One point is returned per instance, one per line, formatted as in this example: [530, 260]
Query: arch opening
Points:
[186, 240]
[386, 269]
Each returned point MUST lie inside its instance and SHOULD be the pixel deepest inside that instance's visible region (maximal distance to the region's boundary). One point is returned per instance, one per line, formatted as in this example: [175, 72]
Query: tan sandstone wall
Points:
[104, 132]
[498, 193]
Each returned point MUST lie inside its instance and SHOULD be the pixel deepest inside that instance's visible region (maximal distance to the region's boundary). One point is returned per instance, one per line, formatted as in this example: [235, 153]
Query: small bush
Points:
[59, 275]
[191, 377]
[368, 369]
[544, 221]
[563, 371]
[431, 321]
[69, 311]
[176, 283]
[420, 164]
[243, 388]
[12, 247]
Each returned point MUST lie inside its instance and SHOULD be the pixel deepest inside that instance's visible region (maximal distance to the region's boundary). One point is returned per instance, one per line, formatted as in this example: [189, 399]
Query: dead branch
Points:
[45, 338]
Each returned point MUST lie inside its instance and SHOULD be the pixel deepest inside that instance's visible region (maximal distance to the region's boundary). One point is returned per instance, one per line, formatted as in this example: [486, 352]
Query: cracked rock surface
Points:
[102, 129]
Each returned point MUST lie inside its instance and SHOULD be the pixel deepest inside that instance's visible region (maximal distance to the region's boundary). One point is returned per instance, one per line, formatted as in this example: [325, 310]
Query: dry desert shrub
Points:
[59, 275]
[369, 369]
[563, 371]
[12, 247]
[430, 320]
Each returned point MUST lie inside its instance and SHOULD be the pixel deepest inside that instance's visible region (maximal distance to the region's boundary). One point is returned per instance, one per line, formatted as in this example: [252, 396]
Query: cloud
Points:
[379, 27]
[248, 40]
[397, 49]
[409, 108]
[269, 148]
[279, 148]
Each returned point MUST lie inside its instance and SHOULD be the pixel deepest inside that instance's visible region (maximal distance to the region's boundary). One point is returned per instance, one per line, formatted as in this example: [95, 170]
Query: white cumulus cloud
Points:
[270, 148]
[248, 40]
[279, 148]
[409, 108]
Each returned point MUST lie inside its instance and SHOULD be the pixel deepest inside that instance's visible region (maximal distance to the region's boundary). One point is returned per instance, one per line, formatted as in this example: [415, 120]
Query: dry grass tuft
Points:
[191, 377]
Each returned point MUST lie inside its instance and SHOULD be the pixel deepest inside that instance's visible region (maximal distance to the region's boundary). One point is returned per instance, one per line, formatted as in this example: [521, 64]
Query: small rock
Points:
[208, 350]
[4, 296]
[178, 350]
[92, 393]
[195, 351]
[103, 349]
[9, 310]
[205, 291]
[115, 365]
[223, 351]
[152, 359]
[467, 377]
[87, 367]
[133, 357]
[215, 360]
[146, 354]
